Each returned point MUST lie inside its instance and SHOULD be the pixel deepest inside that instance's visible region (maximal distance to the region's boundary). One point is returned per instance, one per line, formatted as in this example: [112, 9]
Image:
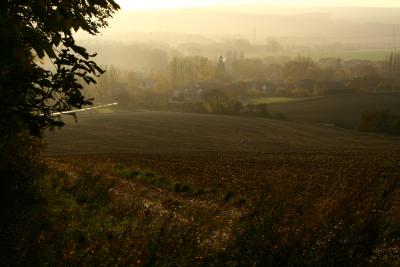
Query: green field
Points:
[278, 100]
[349, 54]
[363, 54]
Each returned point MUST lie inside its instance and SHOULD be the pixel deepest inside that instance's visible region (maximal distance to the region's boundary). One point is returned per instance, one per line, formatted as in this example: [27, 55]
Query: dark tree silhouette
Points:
[40, 62]
[40, 66]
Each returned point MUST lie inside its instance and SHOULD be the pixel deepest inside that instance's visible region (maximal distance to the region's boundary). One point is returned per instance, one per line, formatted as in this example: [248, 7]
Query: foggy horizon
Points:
[238, 20]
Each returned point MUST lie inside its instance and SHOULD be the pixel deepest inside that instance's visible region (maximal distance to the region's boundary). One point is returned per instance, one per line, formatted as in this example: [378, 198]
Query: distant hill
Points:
[373, 26]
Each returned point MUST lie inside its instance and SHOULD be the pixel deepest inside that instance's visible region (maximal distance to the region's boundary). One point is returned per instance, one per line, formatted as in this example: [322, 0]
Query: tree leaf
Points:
[56, 39]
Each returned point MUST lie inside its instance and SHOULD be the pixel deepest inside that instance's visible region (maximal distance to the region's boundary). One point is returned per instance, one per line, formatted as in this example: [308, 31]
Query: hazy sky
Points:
[161, 4]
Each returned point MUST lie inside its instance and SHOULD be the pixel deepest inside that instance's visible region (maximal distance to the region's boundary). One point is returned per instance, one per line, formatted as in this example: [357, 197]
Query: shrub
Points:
[260, 110]
[122, 171]
[199, 192]
[380, 122]
[181, 188]
[20, 169]
[280, 116]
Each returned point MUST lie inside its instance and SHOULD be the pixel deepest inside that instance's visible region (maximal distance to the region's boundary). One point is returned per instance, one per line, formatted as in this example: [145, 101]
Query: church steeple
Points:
[221, 65]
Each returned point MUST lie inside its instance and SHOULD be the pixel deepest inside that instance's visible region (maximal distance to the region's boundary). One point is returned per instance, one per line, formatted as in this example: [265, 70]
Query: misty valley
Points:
[200, 134]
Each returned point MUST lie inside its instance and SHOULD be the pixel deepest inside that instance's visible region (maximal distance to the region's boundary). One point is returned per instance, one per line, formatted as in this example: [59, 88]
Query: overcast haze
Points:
[160, 4]
[349, 22]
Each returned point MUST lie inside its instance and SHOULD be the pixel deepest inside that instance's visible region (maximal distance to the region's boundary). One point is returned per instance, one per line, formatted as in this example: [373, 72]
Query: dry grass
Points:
[257, 192]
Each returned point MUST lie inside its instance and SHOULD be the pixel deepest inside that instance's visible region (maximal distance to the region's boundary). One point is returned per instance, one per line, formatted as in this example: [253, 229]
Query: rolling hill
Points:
[168, 132]
[199, 190]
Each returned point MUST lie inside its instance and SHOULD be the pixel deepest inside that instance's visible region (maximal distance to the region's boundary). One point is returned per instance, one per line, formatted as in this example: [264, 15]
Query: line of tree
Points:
[393, 69]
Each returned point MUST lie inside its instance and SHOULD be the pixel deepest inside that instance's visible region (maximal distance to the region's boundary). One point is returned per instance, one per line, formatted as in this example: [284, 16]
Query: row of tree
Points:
[245, 78]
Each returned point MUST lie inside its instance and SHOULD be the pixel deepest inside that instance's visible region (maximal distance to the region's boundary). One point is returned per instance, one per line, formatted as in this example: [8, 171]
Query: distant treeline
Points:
[235, 108]
[227, 108]
[384, 122]
[226, 85]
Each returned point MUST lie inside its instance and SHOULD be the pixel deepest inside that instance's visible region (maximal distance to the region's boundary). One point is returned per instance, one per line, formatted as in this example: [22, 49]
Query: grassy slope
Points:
[165, 132]
[344, 110]
[279, 100]
[289, 209]
[273, 193]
